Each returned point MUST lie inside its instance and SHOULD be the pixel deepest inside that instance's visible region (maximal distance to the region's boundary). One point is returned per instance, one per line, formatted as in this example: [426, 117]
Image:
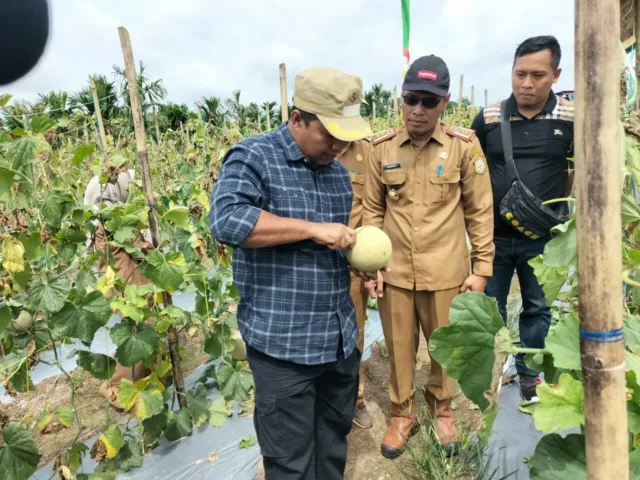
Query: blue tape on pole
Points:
[608, 336]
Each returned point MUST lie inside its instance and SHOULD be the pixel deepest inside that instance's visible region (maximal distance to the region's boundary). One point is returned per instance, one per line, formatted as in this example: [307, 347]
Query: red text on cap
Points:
[427, 75]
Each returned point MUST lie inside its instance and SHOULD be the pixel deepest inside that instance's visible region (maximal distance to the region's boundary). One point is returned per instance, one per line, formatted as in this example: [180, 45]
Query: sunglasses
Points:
[427, 102]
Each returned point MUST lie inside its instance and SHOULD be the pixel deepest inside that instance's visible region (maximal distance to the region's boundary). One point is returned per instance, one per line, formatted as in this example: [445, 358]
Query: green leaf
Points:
[235, 382]
[249, 441]
[19, 455]
[563, 342]
[4, 99]
[232, 320]
[178, 425]
[135, 343]
[5, 317]
[488, 419]
[633, 404]
[561, 250]
[558, 458]
[632, 333]
[41, 123]
[49, 294]
[65, 416]
[634, 463]
[218, 413]
[630, 210]
[33, 250]
[178, 216]
[6, 182]
[551, 373]
[165, 271]
[466, 347]
[551, 278]
[82, 152]
[150, 402]
[198, 405]
[123, 227]
[632, 363]
[22, 152]
[128, 393]
[214, 343]
[561, 406]
[57, 204]
[98, 365]
[76, 454]
[156, 424]
[83, 318]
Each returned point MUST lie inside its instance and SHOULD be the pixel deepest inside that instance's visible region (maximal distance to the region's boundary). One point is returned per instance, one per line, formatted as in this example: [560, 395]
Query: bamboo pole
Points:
[155, 121]
[473, 96]
[395, 102]
[96, 106]
[486, 98]
[597, 128]
[268, 109]
[284, 108]
[461, 88]
[141, 144]
[636, 7]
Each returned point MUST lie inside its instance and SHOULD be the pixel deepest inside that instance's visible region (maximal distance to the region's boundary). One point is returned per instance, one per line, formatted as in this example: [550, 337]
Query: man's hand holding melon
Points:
[370, 256]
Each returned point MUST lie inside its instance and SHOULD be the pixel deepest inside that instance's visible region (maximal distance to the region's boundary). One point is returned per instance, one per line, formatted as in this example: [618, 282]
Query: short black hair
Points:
[537, 44]
[307, 117]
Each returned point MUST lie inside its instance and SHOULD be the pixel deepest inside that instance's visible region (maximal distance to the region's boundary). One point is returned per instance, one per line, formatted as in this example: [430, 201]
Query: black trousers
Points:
[303, 415]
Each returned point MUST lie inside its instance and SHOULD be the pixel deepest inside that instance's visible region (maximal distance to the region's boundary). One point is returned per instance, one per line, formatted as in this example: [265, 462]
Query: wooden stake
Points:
[461, 90]
[597, 142]
[268, 116]
[141, 144]
[486, 98]
[284, 108]
[96, 106]
[473, 96]
[155, 121]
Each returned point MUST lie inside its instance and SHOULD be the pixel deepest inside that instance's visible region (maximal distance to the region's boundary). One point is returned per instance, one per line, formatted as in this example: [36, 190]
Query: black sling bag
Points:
[520, 208]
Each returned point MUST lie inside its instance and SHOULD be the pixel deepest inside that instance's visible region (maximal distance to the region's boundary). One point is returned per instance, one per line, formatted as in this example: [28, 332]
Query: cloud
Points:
[210, 48]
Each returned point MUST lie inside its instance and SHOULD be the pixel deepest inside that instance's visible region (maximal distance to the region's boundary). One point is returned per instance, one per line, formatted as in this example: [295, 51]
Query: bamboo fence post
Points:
[473, 96]
[141, 144]
[284, 108]
[461, 88]
[96, 106]
[598, 232]
[486, 98]
[268, 109]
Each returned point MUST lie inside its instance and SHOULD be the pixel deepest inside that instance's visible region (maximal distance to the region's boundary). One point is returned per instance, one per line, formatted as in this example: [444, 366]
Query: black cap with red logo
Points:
[428, 74]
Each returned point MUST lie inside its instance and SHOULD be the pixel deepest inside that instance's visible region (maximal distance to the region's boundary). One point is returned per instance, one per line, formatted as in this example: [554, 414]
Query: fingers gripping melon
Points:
[372, 250]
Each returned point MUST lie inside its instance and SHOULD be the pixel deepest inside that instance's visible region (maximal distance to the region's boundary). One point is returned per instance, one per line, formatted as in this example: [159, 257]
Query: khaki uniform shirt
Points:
[425, 199]
[356, 157]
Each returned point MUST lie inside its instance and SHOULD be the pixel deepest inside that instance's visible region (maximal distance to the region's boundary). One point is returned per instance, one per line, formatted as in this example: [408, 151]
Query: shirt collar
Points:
[291, 149]
[438, 135]
[552, 101]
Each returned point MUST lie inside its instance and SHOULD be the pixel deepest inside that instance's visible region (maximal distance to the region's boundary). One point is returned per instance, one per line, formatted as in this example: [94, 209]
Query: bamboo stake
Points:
[395, 101]
[268, 116]
[461, 90]
[141, 144]
[636, 7]
[473, 96]
[155, 120]
[96, 106]
[486, 98]
[284, 108]
[598, 231]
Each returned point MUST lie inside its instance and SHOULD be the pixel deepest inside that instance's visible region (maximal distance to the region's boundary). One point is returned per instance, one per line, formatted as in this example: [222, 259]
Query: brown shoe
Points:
[404, 425]
[362, 418]
[446, 422]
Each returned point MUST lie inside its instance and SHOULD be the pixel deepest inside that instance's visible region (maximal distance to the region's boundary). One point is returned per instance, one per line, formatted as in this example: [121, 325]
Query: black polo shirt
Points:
[541, 147]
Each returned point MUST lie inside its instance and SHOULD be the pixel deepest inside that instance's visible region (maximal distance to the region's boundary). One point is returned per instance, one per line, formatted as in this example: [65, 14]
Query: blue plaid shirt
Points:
[294, 299]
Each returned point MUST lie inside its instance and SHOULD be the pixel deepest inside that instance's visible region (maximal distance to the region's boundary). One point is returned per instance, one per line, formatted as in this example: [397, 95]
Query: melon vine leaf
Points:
[198, 405]
[179, 424]
[558, 458]
[561, 251]
[49, 294]
[19, 455]
[165, 271]
[561, 406]
[235, 382]
[83, 317]
[135, 343]
[98, 365]
[218, 413]
[563, 342]
[551, 278]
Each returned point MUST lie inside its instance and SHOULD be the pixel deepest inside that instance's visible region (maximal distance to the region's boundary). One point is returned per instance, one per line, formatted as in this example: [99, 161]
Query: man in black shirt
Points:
[542, 136]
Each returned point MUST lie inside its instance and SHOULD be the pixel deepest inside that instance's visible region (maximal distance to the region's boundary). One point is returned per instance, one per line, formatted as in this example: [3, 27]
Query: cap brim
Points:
[346, 129]
[421, 87]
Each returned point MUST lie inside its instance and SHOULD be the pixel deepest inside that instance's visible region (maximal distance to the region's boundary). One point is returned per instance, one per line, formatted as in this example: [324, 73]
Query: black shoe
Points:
[528, 384]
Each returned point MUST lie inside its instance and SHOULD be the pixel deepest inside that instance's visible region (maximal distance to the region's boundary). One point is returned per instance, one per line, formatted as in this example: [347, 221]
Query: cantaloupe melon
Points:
[240, 350]
[372, 250]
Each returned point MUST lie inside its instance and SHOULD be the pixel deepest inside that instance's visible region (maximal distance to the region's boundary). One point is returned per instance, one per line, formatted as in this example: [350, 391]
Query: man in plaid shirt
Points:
[283, 202]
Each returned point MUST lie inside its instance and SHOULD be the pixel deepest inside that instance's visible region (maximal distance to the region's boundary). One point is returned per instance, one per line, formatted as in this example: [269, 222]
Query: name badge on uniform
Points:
[391, 166]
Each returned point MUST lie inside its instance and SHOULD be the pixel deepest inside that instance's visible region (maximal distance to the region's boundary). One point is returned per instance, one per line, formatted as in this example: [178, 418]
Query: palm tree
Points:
[378, 100]
[56, 104]
[236, 110]
[152, 92]
[212, 111]
[252, 113]
[173, 116]
[107, 99]
[268, 108]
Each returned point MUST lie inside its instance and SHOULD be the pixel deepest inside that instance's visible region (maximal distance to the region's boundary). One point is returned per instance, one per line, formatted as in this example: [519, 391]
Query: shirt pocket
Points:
[357, 183]
[443, 188]
[557, 142]
[395, 183]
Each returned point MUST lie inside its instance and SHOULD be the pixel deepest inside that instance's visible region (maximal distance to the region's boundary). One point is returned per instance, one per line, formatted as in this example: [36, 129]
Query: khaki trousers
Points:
[403, 312]
[360, 297]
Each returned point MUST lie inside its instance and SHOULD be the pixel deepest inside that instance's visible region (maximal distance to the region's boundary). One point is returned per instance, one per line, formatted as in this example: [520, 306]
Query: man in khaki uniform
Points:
[427, 185]
[356, 157]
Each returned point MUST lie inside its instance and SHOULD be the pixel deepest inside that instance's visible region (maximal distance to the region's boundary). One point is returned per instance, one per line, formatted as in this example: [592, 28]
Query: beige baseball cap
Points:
[335, 97]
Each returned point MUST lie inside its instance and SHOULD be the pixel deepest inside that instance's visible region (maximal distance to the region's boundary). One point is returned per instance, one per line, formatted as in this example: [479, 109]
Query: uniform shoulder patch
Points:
[465, 134]
[383, 136]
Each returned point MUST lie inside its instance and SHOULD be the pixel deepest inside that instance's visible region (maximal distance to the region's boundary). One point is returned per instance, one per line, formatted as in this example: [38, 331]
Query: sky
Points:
[212, 47]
